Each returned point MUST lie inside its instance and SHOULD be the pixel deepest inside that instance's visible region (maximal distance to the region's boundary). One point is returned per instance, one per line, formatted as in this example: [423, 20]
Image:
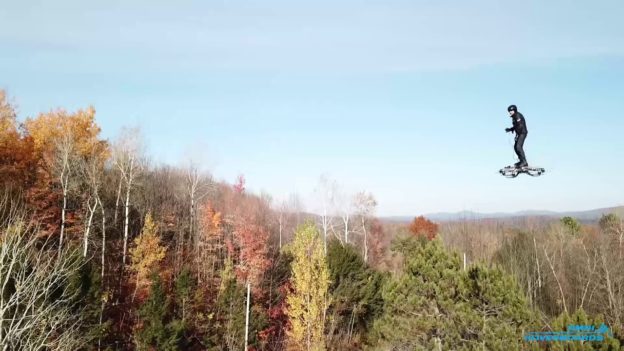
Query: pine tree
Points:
[436, 305]
[157, 330]
[184, 287]
[87, 281]
[356, 296]
[579, 317]
[420, 306]
[309, 299]
[499, 307]
[610, 222]
[229, 325]
[572, 225]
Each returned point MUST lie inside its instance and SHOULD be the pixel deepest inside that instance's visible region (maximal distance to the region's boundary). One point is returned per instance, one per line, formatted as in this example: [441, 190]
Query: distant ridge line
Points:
[587, 215]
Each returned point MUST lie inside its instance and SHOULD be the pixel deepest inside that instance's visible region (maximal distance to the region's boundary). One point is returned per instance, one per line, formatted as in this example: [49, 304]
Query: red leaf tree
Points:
[422, 226]
[251, 241]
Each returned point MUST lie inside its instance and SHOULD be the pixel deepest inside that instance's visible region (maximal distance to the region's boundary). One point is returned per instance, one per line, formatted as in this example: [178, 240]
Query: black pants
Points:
[518, 147]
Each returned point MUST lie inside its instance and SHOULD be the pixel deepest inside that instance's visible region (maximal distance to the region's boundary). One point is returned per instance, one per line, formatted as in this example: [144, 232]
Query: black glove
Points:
[509, 130]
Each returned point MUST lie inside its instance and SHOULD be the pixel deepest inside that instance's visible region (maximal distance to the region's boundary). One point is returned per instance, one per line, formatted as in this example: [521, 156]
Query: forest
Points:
[104, 248]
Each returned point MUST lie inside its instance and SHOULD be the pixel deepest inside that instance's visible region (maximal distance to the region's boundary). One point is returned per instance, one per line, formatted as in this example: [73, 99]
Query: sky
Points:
[403, 99]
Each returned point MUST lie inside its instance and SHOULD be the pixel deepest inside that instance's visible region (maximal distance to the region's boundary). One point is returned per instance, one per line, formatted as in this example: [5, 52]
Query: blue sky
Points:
[405, 99]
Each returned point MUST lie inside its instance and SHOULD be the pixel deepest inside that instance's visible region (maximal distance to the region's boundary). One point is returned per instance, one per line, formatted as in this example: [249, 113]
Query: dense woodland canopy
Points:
[103, 248]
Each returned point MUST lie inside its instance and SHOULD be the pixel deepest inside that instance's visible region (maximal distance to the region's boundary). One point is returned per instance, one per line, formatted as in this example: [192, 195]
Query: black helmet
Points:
[512, 108]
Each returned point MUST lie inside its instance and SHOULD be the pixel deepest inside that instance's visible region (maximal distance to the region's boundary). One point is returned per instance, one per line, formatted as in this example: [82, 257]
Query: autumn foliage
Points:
[30, 154]
[18, 166]
[421, 226]
[195, 243]
[308, 301]
[147, 252]
[251, 243]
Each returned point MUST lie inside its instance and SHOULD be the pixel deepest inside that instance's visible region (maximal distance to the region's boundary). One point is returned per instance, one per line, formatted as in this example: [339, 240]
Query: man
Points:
[519, 127]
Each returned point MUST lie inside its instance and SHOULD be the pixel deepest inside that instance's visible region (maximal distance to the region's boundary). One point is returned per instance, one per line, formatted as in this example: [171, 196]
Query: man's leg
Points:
[516, 150]
[519, 149]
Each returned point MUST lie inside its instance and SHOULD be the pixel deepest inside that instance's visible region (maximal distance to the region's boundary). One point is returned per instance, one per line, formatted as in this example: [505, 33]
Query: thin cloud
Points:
[371, 37]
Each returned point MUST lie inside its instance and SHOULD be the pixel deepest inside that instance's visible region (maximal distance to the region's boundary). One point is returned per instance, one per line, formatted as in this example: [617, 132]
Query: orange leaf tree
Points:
[60, 139]
[17, 157]
[422, 226]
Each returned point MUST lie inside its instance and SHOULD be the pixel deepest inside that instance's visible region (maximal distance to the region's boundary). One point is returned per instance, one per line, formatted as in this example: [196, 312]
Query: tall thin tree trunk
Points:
[1, 308]
[483, 333]
[365, 239]
[101, 318]
[281, 227]
[89, 222]
[608, 280]
[4, 281]
[103, 236]
[118, 197]
[620, 232]
[127, 217]
[589, 264]
[192, 236]
[464, 261]
[63, 210]
[552, 268]
[247, 317]
[324, 220]
[345, 219]
[537, 265]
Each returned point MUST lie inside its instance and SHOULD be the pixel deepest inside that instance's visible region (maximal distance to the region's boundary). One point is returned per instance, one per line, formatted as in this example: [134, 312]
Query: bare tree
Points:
[364, 204]
[326, 194]
[63, 164]
[197, 186]
[345, 206]
[296, 208]
[128, 157]
[612, 279]
[38, 307]
[282, 219]
[92, 205]
[288, 212]
[91, 175]
[92, 170]
[557, 250]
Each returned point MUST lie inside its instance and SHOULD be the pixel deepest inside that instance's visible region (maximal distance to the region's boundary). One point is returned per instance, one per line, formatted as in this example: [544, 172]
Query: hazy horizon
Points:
[406, 100]
[620, 206]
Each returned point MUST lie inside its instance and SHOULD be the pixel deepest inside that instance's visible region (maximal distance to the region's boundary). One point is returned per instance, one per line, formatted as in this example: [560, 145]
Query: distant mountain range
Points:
[586, 216]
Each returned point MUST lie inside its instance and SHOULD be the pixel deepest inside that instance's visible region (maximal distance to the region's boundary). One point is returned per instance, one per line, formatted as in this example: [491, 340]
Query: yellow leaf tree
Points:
[52, 126]
[147, 252]
[309, 298]
[61, 140]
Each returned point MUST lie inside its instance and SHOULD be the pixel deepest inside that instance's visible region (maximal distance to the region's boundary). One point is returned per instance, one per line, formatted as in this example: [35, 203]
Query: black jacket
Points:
[519, 124]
